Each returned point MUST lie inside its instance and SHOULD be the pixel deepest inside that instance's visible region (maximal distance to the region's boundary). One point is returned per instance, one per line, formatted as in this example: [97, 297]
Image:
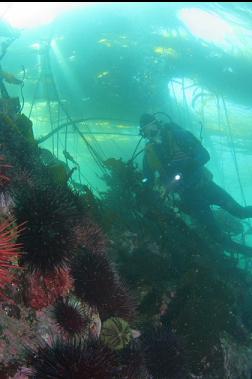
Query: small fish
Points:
[9, 78]
[166, 51]
[105, 42]
[102, 74]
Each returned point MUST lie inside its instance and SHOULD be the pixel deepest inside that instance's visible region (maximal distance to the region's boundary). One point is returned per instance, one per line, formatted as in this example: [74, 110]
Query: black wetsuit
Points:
[197, 193]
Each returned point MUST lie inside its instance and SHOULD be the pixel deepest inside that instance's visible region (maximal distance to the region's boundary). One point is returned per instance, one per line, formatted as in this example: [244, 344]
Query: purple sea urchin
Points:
[48, 239]
[94, 278]
[91, 237]
[97, 282]
[123, 304]
[73, 360]
[71, 315]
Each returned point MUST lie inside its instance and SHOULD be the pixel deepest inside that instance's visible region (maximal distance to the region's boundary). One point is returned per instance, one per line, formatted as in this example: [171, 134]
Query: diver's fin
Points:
[234, 247]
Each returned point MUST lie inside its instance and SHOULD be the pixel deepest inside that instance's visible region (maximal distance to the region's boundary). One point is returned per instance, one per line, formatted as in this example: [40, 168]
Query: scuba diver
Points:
[176, 158]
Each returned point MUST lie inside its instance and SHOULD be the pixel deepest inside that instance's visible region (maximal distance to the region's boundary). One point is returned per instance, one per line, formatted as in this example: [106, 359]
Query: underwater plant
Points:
[71, 316]
[163, 355]
[237, 358]
[204, 307]
[116, 333]
[121, 201]
[50, 217]
[132, 362]
[91, 204]
[144, 267]
[97, 283]
[17, 142]
[73, 359]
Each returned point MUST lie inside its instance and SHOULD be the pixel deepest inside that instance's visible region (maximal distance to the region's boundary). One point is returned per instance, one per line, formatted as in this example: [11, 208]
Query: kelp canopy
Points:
[134, 51]
[190, 60]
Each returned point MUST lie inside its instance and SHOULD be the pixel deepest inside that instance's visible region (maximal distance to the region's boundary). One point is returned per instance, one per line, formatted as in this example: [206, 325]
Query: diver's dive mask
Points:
[149, 130]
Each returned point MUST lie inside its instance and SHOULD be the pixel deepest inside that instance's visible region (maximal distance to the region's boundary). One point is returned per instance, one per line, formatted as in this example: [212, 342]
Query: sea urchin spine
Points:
[3, 166]
[71, 316]
[97, 282]
[73, 359]
[9, 251]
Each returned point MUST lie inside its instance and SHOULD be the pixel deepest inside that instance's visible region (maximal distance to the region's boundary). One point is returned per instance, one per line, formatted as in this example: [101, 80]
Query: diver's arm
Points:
[199, 153]
[196, 155]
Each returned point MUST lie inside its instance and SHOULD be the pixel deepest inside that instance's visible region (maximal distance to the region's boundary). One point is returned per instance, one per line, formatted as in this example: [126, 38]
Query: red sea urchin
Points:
[44, 290]
[9, 251]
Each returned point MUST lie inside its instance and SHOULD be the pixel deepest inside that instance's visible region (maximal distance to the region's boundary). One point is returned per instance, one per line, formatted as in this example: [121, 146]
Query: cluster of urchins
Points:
[47, 233]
